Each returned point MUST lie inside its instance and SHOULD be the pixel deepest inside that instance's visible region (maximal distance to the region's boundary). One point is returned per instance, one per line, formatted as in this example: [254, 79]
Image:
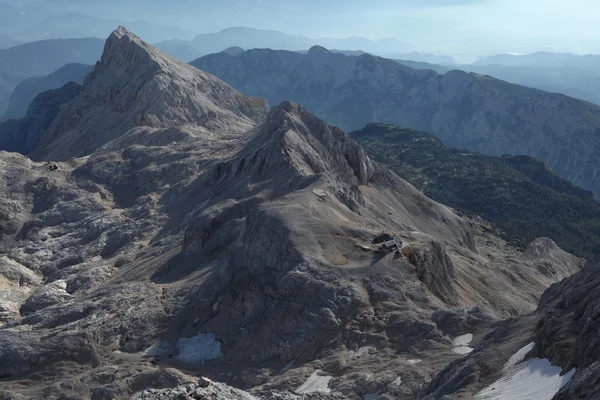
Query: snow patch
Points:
[315, 384]
[535, 378]
[199, 348]
[460, 344]
[414, 361]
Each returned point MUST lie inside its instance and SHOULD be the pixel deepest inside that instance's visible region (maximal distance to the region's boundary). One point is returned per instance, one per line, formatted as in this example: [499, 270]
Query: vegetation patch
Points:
[520, 195]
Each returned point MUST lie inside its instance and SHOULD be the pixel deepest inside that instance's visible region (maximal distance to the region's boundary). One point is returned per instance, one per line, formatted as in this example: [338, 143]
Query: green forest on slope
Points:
[520, 194]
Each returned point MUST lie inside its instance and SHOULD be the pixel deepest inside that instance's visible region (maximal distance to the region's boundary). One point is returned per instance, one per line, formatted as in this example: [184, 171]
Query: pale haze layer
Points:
[456, 27]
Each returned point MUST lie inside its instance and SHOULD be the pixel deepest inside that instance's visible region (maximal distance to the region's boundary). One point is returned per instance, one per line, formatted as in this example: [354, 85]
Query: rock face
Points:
[175, 223]
[27, 91]
[563, 330]
[206, 389]
[134, 84]
[465, 110]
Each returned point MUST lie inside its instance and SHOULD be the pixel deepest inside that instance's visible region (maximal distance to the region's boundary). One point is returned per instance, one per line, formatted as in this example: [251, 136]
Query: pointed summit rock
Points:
[135, 84]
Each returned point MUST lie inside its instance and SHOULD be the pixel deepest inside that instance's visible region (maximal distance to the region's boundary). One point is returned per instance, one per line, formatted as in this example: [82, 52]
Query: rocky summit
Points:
[165, 227]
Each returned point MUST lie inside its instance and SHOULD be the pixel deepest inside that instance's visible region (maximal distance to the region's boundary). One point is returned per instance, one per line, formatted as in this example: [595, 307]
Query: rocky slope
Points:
[519, 194]
[562, 333]
[173, 224]
[465, 110]
[27, 90]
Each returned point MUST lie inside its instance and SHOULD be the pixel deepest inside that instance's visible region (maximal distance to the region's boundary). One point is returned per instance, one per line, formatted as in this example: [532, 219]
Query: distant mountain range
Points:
[179, 49]
[541, 59]
[570, 80]
[465, 110]
[440, 69]
[42, 58]
[46, 22]
[27, 90]
[419, 57]
[46, 56]
[571, 74]
[250, 38]
[8, 82]
[22, 135]
[7, 41]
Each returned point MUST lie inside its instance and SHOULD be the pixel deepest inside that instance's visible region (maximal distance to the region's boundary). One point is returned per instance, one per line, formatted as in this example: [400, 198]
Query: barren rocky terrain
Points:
[165, 226]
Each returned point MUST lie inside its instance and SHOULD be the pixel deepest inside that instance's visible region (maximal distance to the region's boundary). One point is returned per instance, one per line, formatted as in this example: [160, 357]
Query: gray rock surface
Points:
[136, 84]
[206, 389]
[465, 110]
[563, 328]
[182, 217]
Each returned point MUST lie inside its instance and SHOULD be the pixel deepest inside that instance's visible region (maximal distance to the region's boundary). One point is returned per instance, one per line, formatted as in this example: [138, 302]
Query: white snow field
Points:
[199, 348]
[315, 384]
[535, 379]
[460, 344]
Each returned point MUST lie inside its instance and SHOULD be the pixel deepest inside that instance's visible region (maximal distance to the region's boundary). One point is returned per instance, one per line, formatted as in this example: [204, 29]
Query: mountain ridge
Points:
[151, 68]
[469, 111]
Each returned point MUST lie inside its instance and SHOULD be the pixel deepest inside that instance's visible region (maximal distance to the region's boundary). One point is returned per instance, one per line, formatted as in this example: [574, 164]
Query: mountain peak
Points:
[122, 36]
[124, 48]
[122, 31]
[318, 50]
[135, 84]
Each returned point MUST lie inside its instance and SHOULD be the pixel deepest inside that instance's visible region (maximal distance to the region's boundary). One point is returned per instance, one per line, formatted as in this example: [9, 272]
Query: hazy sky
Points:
[477, 27]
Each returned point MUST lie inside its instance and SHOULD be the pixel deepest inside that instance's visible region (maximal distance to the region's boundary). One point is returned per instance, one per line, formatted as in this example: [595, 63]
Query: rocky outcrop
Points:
[434, 268]
[568, 312]
[134, 84]
[562, 331]
[465, 110]
[206, 389]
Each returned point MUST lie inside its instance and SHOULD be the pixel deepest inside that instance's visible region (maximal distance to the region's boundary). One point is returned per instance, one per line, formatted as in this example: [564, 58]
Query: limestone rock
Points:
[47, 295]
[134, 84]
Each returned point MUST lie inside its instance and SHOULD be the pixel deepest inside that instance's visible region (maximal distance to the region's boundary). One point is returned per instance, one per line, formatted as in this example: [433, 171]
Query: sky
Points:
[468, 27]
